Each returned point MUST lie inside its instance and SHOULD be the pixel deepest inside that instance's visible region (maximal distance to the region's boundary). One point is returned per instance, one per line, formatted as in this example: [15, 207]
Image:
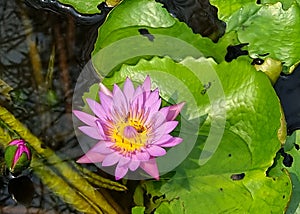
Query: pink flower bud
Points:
[17, 156]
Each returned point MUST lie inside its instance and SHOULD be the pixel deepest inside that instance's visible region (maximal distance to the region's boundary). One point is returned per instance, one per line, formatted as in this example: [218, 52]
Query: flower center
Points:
[129, 136]
[130, 132]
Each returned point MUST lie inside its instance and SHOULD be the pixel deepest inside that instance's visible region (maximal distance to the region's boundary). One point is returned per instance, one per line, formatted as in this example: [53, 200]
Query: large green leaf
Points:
[268, 28]
[286, 3]
[130, 17]
[226, 9]
[247, 146]
[275, 31]
[142, 13]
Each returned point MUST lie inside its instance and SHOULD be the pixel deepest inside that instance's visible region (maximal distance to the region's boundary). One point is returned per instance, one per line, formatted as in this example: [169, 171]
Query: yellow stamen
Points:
[127, 144]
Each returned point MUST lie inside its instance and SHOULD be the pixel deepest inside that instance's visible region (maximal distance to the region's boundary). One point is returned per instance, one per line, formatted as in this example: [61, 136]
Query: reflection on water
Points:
[41, 56]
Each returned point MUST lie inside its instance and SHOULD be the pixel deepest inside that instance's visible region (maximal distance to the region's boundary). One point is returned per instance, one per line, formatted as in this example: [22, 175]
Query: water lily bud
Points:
[17, 156]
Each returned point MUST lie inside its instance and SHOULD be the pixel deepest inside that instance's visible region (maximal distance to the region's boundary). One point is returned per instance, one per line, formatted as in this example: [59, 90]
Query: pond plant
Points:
[200, 118]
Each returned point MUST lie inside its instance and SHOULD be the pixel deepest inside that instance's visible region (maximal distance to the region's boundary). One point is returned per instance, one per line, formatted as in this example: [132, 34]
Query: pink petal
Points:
[106, 102]
[86, 118]
[140, 100]
[142, 156]
[105, 127]
[150, 167]
[161, 139]
[100, 129]
[156, 151]
[123, 161]
[172, 142]
[174, 111]
[152, 107]
[155, 106]
[20, 150]
[152, 98]
[157, 119]
[91, 157]
[91, 132]
[137, 93]
[130, 132]
[128, 89]
[96, 108]
[133, 165]
[111, 159]
[17, 141]
[166, 128]
[119, 100]
[120, 172]
[105, 90]
[147, 84]
[27, 151]
[102, 147]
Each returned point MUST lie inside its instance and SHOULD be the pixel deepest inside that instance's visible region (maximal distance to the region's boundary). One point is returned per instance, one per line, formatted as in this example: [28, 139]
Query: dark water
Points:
[41, 97]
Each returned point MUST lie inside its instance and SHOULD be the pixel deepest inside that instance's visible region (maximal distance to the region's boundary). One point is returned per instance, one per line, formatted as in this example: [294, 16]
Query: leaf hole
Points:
[236, 177]
[146, 33]
[287, 158]
[234, 51]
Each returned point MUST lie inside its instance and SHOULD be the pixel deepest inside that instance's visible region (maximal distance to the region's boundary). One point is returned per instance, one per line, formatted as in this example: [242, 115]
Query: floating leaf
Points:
[234, 177]
[82, 6]
[253, 23]
[292, 148]
[123, 31]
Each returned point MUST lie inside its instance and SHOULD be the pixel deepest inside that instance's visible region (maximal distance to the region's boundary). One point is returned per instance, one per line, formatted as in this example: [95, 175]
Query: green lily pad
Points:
[226, 9]
[150, 27]
[138, 210]
[136, 13]
[275, 31]
[233, 178]
[292, 148]
[286, 3]
[82, 6]
[270, 27]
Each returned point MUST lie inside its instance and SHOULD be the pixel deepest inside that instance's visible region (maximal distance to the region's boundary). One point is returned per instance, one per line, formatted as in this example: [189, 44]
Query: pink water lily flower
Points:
[131, 128]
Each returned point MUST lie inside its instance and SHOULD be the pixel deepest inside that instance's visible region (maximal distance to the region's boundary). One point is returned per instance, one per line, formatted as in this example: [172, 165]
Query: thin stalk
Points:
[63, 66]
[60, 187]
[99, 181]
[33, 51]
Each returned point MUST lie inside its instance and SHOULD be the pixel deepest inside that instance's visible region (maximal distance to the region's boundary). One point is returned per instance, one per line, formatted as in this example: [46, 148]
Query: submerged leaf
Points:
[21, 189]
